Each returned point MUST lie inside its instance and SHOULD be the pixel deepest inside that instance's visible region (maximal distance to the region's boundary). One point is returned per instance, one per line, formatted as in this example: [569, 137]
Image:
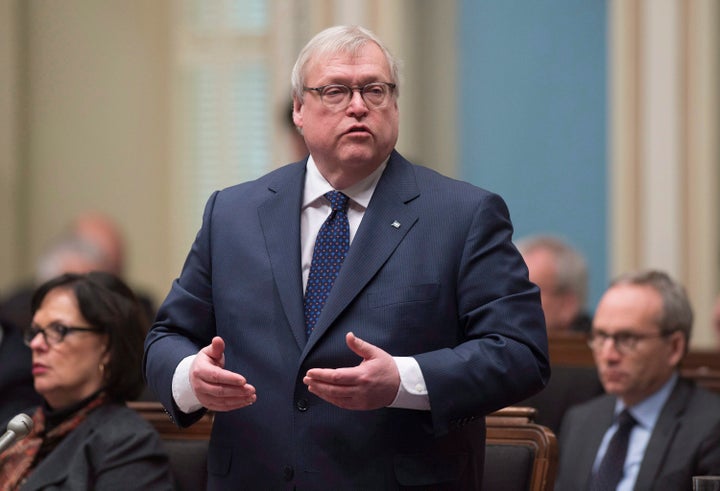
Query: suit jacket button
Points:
[288, 472]
[302, 405]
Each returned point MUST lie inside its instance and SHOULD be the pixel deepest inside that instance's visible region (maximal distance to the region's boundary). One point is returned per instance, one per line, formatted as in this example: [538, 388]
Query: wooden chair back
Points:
[186, 447]
[519, 453]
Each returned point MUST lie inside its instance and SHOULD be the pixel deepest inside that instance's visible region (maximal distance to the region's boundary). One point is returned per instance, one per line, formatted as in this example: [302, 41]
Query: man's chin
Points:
[613, 388]
[356, 152]
[359, 160]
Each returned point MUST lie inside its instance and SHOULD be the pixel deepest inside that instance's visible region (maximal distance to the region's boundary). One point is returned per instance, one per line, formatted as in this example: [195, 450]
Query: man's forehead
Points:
[622, 306]
[632, 295]
[370, 57]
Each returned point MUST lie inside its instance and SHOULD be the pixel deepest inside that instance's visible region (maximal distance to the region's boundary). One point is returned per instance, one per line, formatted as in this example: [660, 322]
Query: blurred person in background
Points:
[652, 429]
[65, 254]
[561, 273]
[104, 232]
[92, 241]
[86, 340]
[101, 230]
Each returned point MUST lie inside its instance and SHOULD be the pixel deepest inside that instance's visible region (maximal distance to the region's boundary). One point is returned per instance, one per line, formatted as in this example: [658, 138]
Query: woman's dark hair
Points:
[108, 303]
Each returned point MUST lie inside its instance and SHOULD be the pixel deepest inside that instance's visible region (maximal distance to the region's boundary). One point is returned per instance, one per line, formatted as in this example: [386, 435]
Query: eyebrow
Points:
[56, 323]
[622, 330]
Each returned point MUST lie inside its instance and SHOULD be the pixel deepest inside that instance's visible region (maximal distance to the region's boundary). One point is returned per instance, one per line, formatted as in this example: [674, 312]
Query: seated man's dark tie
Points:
[331, 246]
[610, 471]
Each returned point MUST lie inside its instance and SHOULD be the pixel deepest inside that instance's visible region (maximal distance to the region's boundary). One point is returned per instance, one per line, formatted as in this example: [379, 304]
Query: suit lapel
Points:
[386, 222]
[666, 428]
[283, 244]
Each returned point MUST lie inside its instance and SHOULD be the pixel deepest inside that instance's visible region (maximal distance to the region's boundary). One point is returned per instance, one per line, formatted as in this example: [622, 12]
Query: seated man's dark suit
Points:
[684, 443]
[431, 273]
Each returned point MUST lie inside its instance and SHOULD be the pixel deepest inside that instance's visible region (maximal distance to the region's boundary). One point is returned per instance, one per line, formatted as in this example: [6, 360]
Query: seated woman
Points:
[86, 341]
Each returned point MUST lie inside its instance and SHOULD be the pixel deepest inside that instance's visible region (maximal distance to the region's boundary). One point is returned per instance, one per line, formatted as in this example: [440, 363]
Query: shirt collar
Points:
[360, 193]
[647, 412]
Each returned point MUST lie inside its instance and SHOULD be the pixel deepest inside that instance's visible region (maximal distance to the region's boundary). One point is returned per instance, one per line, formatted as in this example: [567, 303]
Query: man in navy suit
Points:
[430, 324]
[639, 337]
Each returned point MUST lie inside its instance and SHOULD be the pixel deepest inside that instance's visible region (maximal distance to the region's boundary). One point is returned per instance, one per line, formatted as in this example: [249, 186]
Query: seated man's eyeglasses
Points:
[54, 333]
[623, 341]
[338, 96]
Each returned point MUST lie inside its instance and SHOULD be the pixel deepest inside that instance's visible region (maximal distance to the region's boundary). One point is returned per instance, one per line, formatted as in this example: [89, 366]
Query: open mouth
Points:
[357, 129]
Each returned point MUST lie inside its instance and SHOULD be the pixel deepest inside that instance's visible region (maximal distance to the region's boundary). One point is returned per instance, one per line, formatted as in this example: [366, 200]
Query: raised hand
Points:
[372, 384]
[216, 388]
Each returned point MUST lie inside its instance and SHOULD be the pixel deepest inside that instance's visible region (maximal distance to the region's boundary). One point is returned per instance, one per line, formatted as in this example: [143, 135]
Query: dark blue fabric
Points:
[331, 246]
[432, 273]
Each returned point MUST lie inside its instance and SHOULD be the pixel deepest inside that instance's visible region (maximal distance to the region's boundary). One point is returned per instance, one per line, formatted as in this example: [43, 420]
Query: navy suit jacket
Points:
[446, 286]
[684, 443]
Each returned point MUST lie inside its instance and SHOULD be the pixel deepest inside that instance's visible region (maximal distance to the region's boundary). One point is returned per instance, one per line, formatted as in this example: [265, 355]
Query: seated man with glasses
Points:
[653, 429]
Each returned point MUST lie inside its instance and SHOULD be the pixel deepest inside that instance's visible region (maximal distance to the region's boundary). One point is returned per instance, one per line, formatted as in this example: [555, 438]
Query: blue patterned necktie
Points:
[331, 246]
[611, 467]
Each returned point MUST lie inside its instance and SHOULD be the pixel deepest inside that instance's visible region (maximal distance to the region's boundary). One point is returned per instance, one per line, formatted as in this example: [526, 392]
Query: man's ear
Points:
[678, 344]
[297, 112]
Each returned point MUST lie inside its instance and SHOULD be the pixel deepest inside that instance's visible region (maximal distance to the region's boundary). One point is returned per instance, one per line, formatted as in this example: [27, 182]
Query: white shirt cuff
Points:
[412, 393]
[182, 390]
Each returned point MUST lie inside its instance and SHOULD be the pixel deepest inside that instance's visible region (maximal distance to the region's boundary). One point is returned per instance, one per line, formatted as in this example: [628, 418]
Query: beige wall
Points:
[8, 143]
[91, 127]
[85, 115]
[665, 156]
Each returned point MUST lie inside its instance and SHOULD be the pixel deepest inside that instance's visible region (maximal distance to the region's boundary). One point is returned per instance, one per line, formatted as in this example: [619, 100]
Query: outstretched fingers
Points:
[215, 387]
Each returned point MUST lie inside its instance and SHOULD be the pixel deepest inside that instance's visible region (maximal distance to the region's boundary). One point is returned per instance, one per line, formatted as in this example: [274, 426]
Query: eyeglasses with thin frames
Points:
[54, 333]
[623, 341]
[338, 96]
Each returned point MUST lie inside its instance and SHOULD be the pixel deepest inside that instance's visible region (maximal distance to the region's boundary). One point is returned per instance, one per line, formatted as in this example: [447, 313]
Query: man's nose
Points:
[609, 349]
[357, 103]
